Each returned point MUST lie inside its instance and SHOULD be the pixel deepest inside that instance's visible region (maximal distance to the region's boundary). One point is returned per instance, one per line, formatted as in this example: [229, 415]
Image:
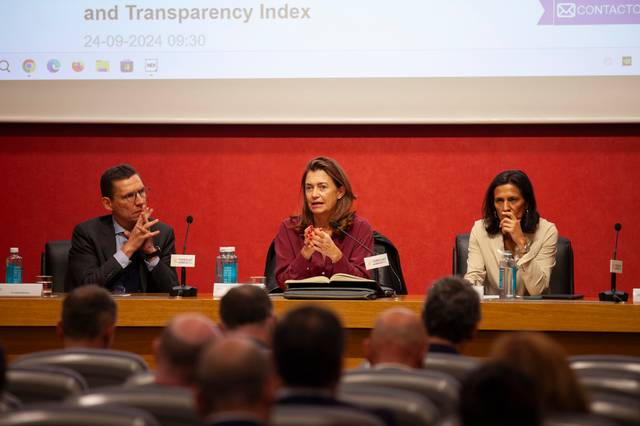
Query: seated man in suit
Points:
[235, 383]
[127, 250]
[451, 314]
[88, 318]
[179, 346]
[308, 346]
[247, 310]
[398, 341]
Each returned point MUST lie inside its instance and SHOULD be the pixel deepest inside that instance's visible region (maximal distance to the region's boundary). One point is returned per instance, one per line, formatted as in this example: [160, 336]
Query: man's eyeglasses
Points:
[131, 196]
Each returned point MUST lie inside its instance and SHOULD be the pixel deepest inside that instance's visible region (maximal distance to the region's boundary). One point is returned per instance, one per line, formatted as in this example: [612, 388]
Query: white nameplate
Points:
[183, 260]
[21, 290]
[378, 261]
[220, 289]
[615, 266]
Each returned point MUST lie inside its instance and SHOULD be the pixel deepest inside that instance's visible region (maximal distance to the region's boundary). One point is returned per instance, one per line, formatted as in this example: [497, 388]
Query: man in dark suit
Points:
[451, 315]
[126, 251]
[234, 383]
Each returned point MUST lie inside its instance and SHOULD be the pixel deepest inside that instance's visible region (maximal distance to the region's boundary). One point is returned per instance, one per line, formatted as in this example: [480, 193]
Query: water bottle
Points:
[227, 265]
[508, 271]
[14, 266]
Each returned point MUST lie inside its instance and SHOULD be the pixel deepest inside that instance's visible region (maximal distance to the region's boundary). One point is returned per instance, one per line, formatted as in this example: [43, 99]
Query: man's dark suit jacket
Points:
[91, 258]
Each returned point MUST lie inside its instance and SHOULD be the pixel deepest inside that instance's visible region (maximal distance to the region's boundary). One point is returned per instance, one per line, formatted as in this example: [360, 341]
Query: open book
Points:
[336, 280]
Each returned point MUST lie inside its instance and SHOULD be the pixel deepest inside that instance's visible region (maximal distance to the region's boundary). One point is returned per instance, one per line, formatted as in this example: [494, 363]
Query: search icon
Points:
[4, 65]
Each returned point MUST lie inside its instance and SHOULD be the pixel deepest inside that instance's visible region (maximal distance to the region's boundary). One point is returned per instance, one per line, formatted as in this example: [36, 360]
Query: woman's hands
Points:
[510, 226]
[315, 239]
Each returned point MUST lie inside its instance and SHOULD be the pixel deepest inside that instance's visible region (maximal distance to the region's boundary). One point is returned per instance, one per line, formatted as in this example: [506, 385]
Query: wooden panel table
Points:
[582, 326]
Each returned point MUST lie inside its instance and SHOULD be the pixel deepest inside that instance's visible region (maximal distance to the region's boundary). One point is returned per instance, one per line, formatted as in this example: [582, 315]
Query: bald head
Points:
[179, 346]
[234, 375]
[398, 336]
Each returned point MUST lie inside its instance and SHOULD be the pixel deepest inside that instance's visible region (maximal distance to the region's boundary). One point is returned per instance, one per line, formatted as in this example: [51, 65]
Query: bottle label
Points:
[230, 273]
[14, 274]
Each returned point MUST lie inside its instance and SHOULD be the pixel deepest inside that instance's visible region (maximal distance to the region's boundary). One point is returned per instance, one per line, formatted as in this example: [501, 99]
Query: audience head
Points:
[520, 182]
[308, 345]
[88, 318]
[179, 346]
[498, 395]
[234, 375]
[398, 337]
[451, 312]
[338, 198]
[541, 358]
[247, 309]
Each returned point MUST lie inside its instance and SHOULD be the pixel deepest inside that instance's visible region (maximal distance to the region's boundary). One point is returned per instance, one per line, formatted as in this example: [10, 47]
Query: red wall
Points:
[419, 185]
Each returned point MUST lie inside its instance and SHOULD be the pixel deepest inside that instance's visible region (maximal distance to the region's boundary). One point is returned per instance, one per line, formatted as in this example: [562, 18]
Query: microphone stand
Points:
[184, 290]
[613, 295]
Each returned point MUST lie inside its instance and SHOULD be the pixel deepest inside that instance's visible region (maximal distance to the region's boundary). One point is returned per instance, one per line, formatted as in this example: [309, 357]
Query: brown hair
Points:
[343, 214]
[544, 360]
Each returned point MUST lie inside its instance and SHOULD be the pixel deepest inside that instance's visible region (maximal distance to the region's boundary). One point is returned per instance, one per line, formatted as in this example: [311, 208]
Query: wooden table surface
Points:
[581, 326]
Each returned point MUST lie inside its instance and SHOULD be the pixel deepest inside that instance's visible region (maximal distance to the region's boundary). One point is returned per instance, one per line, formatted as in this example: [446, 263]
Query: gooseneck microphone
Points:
[183, 289]
[613, 295]
[336, 226]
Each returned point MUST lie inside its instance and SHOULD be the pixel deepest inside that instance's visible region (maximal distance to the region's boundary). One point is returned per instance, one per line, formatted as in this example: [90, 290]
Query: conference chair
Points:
[8, 402]
[99, 367]
[622, 409]
[312, 415]
[561, 280]
[44, 383]
[408, 408]
[384, 276]
[610, 381]
[454, 365]
[54, 262]
[438, 387]
[63, 415]
[624, 363]
[169, 405]
[147, 378]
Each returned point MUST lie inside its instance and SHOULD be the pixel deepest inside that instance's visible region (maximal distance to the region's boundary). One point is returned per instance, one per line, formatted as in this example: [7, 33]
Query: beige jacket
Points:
[534, 268]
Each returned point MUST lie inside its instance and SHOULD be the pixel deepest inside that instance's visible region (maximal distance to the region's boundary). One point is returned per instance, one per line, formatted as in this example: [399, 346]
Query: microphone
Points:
[183, 289]
[336, 226]
[613, 295]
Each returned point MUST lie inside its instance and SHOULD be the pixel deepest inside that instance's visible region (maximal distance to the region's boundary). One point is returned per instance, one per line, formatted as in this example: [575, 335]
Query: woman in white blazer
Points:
[512, 222]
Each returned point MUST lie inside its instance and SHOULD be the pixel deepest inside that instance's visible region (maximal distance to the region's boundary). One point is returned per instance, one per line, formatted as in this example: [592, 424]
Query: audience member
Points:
[88, 318]
[541, 358]
[499, 395]
[398, 340]
[247, 310]
[179, 347]
[235, 383]
[451, 314]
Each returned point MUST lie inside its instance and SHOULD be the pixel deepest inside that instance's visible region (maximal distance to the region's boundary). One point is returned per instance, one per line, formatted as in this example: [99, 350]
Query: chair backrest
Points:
[409, 408]
[8, 402]
[561, 280]
[99, 367]
[623, 363]
[624, 410]
[455, 365]
[610, 381]
[170, 405]
[439, 388]
[577, 419]
[64, 415]
[44, 383]
[54, 262]
[385, 276]
[313, 415]
[270, 269]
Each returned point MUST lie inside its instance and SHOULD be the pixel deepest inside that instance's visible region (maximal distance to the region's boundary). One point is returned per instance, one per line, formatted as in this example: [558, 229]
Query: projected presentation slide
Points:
[248, 39]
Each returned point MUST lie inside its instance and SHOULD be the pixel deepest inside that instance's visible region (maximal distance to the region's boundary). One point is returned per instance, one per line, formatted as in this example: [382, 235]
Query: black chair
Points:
[8, 402]
[63, 415]
[454, 365]
[384, 276]
[561, 281]
[314, 415]
[169, 405]
[99, 367]
[43, 384]
[54, 262]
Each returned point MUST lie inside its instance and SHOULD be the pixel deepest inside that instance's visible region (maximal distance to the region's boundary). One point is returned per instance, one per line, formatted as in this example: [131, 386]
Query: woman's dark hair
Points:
[530, 218]
[343, 214]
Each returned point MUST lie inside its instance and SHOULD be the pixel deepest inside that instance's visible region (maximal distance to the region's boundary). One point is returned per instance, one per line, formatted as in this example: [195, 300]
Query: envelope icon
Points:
[566, 10]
